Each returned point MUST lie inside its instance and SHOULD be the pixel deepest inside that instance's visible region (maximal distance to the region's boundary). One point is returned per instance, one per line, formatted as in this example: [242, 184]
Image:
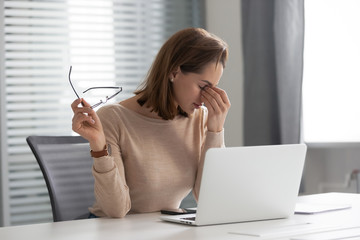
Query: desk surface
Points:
[148, 226]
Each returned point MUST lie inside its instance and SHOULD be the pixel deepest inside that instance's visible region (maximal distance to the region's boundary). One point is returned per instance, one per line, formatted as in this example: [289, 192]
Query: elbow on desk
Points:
[118, 211]
[111, 205]
[119, 214]
[112, 209]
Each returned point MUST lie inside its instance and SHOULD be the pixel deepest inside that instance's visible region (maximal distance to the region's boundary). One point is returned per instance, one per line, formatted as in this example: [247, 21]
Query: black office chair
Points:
[66, 165]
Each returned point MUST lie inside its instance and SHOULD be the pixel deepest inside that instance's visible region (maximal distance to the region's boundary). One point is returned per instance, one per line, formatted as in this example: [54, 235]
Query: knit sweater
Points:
[153, 163]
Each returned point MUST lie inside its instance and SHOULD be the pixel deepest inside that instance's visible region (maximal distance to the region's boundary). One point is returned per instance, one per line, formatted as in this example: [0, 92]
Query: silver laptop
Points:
[242, 184]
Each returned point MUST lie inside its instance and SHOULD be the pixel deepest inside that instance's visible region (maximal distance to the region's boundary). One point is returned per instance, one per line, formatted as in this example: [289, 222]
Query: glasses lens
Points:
[101, 91]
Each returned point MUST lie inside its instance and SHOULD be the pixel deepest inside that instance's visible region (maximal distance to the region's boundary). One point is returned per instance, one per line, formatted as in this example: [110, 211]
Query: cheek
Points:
[195, 92]
[188, 90]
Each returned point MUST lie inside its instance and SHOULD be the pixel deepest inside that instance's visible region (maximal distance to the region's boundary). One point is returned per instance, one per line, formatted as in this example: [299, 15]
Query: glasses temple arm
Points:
[71, 83]
[102, 88]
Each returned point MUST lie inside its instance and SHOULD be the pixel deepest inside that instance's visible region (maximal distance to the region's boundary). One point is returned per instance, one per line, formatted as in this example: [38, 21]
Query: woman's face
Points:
[188, 86]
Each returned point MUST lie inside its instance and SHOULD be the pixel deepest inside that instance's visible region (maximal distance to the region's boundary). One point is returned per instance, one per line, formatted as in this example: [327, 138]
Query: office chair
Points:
[66, 165]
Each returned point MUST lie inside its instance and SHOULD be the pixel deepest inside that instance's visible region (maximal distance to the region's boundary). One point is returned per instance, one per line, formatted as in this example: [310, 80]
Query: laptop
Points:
[241, 184]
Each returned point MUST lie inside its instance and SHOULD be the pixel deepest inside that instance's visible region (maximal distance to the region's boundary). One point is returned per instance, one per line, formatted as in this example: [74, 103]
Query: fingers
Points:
[223, 95]
[78, 101]
[218, 104]
[84, 116]
[216, 99]
[85, 109]
[86, 122]
[75, 104]
[79, 118]
[212, 102]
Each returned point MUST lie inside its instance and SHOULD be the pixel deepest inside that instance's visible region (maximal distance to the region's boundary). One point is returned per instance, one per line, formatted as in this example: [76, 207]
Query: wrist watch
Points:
[99, 154]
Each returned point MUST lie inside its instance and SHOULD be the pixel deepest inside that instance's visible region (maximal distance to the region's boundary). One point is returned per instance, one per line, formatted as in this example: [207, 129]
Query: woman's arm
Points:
[86, 123]
[110, 188]
[212, 140]
[218, 105]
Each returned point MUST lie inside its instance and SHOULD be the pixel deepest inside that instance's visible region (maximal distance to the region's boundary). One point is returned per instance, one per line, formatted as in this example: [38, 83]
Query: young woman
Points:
[149, 149]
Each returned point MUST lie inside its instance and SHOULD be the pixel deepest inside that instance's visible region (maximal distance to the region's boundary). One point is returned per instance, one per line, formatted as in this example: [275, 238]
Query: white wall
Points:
[223, 19]
[328, 167]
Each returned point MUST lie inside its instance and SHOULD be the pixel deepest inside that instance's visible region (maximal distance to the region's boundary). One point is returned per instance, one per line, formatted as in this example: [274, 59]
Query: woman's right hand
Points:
[87, 123]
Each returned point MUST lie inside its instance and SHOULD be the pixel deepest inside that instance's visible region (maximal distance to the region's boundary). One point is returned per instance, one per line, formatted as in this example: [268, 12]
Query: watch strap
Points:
[99, 154]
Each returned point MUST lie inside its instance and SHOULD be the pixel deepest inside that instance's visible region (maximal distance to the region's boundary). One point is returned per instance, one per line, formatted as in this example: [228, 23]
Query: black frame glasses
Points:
[101, 101]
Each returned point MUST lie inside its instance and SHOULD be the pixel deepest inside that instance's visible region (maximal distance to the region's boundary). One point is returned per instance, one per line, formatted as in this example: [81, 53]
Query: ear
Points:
[174, 73]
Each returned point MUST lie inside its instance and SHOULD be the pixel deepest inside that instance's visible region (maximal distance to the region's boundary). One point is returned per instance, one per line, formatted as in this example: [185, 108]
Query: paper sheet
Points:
[286, 229]
[346, 233]
[311, 208]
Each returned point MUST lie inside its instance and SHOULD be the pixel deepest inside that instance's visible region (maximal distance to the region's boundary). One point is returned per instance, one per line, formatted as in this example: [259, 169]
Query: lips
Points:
[197, 105]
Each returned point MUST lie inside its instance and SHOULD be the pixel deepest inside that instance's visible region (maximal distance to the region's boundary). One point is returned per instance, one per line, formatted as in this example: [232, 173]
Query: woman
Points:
[149, 149]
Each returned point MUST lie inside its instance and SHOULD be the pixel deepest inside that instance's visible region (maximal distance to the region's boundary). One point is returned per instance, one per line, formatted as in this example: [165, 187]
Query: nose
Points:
[199, 100]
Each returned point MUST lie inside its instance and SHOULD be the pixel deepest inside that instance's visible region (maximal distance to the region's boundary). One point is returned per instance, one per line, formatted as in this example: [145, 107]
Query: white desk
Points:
[148, 226]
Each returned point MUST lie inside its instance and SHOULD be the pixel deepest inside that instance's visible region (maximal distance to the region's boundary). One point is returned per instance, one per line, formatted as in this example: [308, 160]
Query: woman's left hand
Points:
[218, 105]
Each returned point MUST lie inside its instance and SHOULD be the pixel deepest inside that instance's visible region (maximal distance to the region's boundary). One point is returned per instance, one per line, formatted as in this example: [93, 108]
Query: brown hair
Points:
[190, 49]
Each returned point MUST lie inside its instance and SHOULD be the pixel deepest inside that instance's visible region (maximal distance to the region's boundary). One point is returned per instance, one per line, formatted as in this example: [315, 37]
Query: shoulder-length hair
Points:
[190, 49]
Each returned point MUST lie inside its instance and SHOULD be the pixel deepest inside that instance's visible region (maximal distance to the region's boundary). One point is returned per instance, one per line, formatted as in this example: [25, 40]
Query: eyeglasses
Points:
[101, 101]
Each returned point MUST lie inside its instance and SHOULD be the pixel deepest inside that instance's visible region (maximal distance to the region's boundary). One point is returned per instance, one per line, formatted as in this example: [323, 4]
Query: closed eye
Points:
[204, 87]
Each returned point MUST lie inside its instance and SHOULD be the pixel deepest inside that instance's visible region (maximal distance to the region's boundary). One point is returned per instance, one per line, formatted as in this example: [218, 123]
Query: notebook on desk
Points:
[247, 184]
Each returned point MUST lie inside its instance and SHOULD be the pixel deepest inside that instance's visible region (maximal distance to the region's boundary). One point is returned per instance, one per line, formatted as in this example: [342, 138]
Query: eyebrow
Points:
[208, 83]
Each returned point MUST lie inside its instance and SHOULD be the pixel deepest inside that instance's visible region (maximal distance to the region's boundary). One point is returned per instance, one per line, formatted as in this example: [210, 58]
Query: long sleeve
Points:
[212, 140]
[111, 190]
[153, 164]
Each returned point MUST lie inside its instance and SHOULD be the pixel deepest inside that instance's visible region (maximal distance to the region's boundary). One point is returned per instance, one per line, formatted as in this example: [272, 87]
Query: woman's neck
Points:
[132, 104]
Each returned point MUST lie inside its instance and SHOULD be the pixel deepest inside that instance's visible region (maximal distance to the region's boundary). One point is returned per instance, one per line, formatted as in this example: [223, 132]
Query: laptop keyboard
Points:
[189, 218]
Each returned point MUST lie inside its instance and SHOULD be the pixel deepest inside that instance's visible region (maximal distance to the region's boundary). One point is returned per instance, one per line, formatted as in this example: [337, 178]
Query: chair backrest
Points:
[66, 165]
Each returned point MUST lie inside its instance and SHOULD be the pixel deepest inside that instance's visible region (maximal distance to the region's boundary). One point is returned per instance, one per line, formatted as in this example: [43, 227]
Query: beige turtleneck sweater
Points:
[153, 163]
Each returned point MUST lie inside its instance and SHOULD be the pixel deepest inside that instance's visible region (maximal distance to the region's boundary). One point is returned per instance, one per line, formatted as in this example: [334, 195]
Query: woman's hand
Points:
[218, 105]
[87, 123]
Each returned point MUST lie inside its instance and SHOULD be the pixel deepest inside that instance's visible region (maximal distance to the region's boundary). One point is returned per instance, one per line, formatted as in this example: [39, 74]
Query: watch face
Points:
[109, 149]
